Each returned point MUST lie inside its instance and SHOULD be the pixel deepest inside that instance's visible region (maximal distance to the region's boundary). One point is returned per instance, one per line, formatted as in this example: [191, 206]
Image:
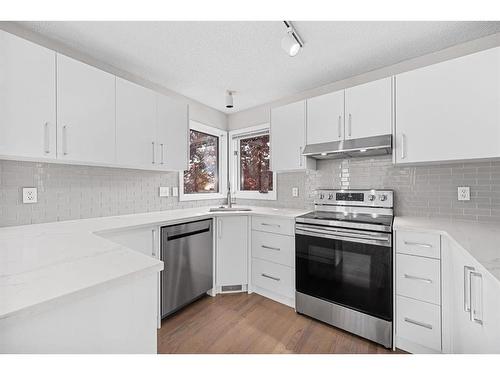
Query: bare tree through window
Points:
[203, 173]
[254, 164]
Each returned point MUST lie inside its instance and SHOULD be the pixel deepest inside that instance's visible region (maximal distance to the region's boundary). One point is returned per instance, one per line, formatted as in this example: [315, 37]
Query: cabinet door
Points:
[466, 285]
[173, 128]
[27, 99]
[325, 118]
[232, 250]
[135, 125]
[85, 112]
[368, 109]
[288, 136]
[449, 111]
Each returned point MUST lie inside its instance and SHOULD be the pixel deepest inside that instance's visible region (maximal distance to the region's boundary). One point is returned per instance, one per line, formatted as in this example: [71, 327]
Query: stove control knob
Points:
[383, 197]
[371, 197]
[321, 196]
[330, 196]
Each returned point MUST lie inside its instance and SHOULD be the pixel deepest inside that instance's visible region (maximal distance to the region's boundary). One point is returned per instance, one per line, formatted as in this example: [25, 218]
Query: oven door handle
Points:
[336, 235]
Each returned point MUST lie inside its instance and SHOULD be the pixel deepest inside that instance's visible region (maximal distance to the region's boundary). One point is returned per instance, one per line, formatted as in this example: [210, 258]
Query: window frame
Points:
[234, 163]
[222, 175]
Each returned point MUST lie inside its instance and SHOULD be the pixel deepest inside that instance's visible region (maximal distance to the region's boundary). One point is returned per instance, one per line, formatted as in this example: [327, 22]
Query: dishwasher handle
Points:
[175, 236]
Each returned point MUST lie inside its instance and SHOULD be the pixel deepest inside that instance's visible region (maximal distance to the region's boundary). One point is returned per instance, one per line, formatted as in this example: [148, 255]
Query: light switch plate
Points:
[164, 191]
[295, 192]
[463, 193]
[30, 195]
[175, 191]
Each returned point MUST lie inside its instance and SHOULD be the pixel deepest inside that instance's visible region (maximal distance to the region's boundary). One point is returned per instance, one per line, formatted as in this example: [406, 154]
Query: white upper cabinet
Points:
[450, 110]
[172, 128]
[136, 133]
[85, 112]
[288, 137]
[325, 118]
[27, 99]
[368, 109]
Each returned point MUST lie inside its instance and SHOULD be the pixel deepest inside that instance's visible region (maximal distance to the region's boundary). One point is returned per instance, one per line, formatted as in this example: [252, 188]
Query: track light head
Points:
[291, 42]
[229, 99]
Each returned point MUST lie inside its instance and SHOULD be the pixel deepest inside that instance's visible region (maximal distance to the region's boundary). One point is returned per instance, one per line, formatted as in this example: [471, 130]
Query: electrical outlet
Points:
[30, 195]
[175, 191]
[463, 193]
[164, 191]
[295, 192]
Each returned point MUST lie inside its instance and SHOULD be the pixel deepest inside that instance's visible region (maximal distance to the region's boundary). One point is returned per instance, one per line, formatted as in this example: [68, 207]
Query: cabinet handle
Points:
[350, 124]
[300, 156]
[153, 154]
[161, 145]
[417, 323]
[406, 276]
[153, 247]
[475, 310]
[65, 139]
[270, 247]
[426, 245]
[339, 127]
[46, 136]
[403, 141]
[270, 277]
[467, 271]
[219, 228]
[270, 225]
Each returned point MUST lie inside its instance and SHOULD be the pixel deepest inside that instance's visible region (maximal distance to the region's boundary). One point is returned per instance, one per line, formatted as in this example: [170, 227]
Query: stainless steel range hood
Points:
[370, 146]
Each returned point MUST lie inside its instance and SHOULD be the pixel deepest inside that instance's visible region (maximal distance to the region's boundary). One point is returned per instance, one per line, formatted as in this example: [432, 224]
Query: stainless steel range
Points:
[344, 262]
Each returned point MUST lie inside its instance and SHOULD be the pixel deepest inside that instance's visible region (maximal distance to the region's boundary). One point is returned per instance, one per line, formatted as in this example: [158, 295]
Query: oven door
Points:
[352, 268]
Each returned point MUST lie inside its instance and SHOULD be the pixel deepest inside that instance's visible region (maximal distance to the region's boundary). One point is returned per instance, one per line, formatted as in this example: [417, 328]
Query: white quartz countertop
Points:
[481, 240]
[42, 263]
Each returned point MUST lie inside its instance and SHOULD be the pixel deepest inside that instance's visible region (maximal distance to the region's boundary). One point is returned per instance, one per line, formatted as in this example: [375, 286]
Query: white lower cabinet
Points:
[232, 252]
[471, 304]
[418, 292]
[273, 259]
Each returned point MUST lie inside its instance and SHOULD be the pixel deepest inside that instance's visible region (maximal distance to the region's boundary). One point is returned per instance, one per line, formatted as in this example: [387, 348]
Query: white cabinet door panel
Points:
[232, 250]
[368, 109]
[85, 112]
[172, 127]
[288, 137]
[27, 99]
[135, 125]
[325, 118]
[450, 110]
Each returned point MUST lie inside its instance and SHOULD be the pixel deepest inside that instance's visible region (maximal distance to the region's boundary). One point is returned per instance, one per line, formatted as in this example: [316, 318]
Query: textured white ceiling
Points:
[202, 59]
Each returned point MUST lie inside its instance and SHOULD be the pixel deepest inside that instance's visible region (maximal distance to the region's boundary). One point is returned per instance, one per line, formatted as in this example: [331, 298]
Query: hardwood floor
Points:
[242, 323]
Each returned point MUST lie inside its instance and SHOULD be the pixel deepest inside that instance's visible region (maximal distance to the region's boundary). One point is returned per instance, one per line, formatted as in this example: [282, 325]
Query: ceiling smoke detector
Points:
[291, 42]
[229, 99]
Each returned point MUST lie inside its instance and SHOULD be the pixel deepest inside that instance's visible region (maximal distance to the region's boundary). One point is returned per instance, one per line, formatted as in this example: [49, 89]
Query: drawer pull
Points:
[270, 225]
[406, 276]
[270, 277]
[270, 247]
[426, 245]
[417, 323]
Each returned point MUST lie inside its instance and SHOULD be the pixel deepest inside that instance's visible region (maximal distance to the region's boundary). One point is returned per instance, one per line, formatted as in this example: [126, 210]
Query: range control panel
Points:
[373, 198]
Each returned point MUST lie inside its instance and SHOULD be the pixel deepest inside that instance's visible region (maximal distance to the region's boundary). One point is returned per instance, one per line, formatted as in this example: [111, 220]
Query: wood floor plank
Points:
[242, 323]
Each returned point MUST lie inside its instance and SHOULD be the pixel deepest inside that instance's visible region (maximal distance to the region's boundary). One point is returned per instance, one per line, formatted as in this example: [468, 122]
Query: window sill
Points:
[271, 196]
[200, 197]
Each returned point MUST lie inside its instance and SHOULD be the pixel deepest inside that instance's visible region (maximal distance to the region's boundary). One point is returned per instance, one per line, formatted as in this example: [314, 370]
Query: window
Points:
[205, 178]
[250, 174]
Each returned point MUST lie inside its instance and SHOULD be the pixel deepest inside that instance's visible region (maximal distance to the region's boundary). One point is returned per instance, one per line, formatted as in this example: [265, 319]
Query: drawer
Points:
[274, 225]
[418, 243]
[273, 247]
[273, 277]
[419, 278]
[419, 322]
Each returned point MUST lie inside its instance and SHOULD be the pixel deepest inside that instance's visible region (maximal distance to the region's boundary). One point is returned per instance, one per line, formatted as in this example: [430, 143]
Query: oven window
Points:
[351, 274]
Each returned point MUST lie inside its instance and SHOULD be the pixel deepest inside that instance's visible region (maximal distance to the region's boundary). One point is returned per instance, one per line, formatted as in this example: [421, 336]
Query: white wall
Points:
[198, 111]
[261, 114]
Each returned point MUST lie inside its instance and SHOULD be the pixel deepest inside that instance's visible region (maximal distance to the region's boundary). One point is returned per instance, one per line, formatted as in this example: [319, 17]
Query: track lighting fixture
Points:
[291, 42]
[229, 99]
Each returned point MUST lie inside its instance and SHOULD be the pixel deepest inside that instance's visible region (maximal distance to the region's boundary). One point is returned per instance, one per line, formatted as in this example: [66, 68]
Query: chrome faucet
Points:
[229, 200]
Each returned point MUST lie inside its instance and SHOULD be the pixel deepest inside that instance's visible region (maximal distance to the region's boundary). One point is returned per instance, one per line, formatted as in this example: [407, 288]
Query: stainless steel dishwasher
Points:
[187, 252]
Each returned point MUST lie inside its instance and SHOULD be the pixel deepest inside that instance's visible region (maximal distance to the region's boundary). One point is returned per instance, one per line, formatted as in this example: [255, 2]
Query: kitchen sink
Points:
[229, 209]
